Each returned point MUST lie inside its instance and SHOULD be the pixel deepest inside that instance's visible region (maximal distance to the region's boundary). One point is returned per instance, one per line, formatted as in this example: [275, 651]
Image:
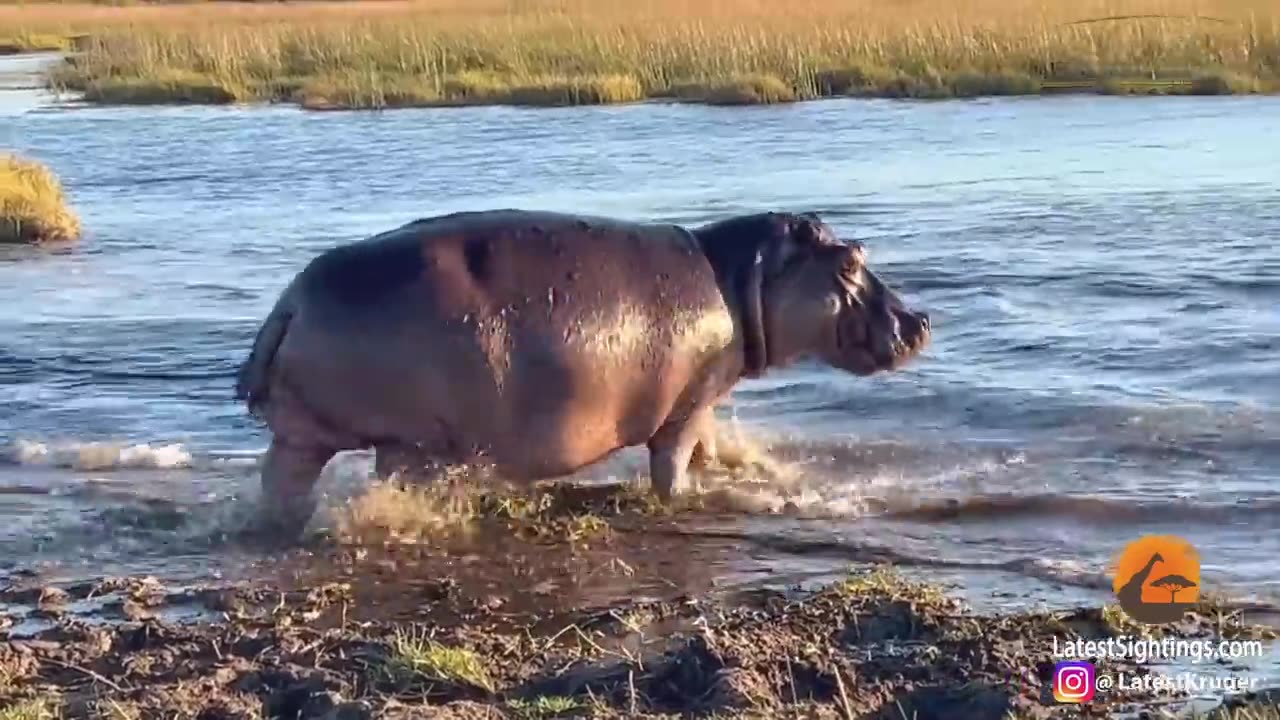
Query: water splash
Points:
[98, 455]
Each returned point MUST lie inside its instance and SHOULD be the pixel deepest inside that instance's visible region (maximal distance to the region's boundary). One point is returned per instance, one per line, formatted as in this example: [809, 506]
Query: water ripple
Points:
[1102, 277]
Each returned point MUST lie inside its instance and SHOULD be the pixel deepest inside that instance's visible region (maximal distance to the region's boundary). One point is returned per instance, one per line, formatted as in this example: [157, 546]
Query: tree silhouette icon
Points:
[1174, 584]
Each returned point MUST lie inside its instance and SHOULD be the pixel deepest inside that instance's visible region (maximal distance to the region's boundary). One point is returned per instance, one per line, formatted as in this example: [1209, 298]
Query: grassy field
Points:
[386, 53]
[32, 205]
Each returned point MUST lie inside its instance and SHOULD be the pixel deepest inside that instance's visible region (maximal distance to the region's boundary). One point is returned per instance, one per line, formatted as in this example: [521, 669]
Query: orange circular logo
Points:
[1157, 578]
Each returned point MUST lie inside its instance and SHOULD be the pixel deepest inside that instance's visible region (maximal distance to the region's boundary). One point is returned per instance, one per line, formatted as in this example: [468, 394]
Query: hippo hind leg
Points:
[289, 474]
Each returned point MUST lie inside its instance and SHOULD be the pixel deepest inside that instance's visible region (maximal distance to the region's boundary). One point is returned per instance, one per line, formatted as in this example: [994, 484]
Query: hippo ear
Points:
[797, 236]
[809, 230]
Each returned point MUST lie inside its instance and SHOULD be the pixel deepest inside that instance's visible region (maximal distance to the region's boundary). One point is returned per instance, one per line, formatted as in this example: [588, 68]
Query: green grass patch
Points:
[416, 658]
[38, 709]
[390, 512]
[33, 206]
[544, 707]
[884, 581]
[560, 512]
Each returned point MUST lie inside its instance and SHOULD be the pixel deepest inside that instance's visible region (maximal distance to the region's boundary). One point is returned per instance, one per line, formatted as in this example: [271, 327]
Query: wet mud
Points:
[539, 607]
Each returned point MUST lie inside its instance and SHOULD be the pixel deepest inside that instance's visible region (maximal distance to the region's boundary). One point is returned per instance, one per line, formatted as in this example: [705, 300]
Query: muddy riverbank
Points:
[870, 646]
[419, 627]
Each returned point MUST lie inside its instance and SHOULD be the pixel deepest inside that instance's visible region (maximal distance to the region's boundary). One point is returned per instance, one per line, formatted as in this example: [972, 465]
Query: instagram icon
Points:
[1073, 681]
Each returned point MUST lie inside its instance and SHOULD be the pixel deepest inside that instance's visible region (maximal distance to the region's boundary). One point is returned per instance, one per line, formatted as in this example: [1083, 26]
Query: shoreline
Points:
[529, 610]
[744, 93]
[546, 53]
[869, 645]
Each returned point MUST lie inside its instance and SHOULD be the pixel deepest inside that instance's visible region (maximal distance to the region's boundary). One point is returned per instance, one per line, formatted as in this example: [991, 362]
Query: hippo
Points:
[537, 343]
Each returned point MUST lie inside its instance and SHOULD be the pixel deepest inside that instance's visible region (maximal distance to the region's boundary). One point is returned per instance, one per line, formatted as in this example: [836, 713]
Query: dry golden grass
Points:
[32, 205]
[1259, 711]
[34, 42]
[385, 53]
[37, 709]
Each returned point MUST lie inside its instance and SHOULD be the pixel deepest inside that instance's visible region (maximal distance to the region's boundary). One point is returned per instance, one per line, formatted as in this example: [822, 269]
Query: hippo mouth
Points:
[909, 334]
[882, 342]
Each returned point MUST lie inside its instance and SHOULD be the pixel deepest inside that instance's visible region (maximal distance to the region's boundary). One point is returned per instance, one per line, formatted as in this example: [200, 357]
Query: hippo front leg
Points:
[672, 448]
[289, 474]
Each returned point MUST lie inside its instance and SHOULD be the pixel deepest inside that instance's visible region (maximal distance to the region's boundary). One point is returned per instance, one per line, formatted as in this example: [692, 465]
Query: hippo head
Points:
[826, 302]
[806, 293]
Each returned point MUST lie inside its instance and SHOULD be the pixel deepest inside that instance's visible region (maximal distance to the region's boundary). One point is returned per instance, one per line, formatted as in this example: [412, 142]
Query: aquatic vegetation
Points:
[33, 206]
[573, 52]
[389, 512]
[885, 582]
[757, 89]
[392, 513]
[166, 87]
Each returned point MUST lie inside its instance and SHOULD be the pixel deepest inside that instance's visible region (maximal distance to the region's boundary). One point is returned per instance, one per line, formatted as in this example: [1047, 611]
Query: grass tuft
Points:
[417, 658]
[38, 709]
[351, 91]
[473, 87]
[591, 90]
[1223, 82]
[755, 89]
[544, 706]
[884, 581]
[167, 87]
[393, 513]
[26, 42]
[33, 207]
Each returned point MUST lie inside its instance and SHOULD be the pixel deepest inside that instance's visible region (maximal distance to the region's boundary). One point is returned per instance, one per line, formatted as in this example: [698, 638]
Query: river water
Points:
[1101, 274]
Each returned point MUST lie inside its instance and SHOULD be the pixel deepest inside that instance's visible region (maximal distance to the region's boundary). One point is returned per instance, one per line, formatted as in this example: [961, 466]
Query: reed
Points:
[385, 53]
[33, 207]
[25, 42]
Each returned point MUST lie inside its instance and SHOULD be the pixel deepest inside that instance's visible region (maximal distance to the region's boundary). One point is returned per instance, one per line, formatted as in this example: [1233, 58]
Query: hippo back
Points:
[511, 259]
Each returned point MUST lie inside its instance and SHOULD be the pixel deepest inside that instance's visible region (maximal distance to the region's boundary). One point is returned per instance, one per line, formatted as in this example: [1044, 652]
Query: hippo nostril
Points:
[924, 320]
